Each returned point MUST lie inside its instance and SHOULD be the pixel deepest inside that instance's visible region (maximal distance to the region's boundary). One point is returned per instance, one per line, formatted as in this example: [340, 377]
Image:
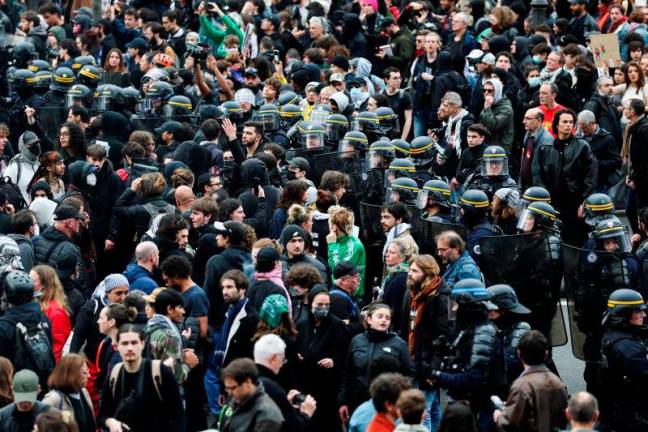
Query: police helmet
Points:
[620, 306]
[288, 97]
[18, 288]
[533, 194]
[494, 162]
[388, 121]
[337, 125]
[399, 168]
[23, 79]
[232, 111]
[62, 79]
[380, 155]
[107, 96]
[474, 201]
[538, 215]
[78, 94]
[177, 106]
[403, 189]
[469, 291]
[43, 80]
[268, 116]
[436, 190]
[612, 236]
[128, 98]
[505, 298]
[24, 53]
[81, 61]
[366, 122]
[421, 147]
[290, 114]
[311, 135]
[320, 113]
[401, 147]
[39, 65]
[351, 142]
[89, 75]
[157, 94]
[597, 206]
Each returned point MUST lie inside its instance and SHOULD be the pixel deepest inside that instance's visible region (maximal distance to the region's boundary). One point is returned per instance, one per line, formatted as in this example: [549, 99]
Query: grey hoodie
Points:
[363, 70]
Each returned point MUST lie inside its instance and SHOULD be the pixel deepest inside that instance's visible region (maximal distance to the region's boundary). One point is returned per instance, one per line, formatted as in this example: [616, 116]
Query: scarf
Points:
[274, 276]
[453, 132]
[396, 231]
[391, 271]
[625, 148]
[220, 339]
[417, 303]
[163, 321]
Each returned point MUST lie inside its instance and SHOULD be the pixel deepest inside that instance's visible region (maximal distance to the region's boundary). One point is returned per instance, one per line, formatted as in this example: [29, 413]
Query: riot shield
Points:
[373, 237]
[527, 263]
[590, 277]
[322, 162]
[428, 230]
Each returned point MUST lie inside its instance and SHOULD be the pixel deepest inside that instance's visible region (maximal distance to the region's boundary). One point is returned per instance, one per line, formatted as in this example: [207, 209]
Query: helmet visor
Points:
[104, 103]
[71, 100]
[619, 243]
[392, 196]
[422, 198]
[319, 116]
[312, 140]
[526, 221]
[375, 159]
[270, 121]
[493, 167]
[347, 148]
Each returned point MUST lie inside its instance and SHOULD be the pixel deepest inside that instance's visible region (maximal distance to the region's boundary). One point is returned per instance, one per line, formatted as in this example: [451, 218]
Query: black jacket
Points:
[10, 422]
[102, 199]
[638, 136]
[86, 330]
[240, 343]
[365, 348]
[130, 216]
[53, 246]
[394, 295]
[606, 116]
[259, 290]
[232, 258]
[607, 155]
[567, 169]
[434, 323]
[294, 419]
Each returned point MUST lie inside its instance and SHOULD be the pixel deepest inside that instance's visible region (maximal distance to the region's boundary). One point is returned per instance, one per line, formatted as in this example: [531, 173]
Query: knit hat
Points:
[266, 259]
[274, 306]
[341, 62]
[58, 32]
[317, 289]
[115, 280]
[244, 95]
[509, 195]
[289, 232]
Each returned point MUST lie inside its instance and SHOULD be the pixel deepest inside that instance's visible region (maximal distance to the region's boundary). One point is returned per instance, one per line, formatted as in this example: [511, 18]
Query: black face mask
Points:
[291, 175]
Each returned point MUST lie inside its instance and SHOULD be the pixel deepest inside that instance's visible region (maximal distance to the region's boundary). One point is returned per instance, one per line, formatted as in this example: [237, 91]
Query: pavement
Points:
[569, 367]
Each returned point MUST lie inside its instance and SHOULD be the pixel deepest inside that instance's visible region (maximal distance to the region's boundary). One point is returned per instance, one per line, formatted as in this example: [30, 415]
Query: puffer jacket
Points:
[364, 348]
[53, 247]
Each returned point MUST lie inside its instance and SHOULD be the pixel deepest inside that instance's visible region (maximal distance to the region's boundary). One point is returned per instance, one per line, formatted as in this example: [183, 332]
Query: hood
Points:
[135, 271]
[314, 72]
[497, 84]
[499, 44]
[363, 67]
[341, 100]
[253, 172]
[44, 210]
[444, 62]
[55, 235]
[77, 172]
[114, 124]
[171, 167]
[236, 257]
[196, 157]
[521, 47]
[351, 24]
[38, 31]
[41, 185]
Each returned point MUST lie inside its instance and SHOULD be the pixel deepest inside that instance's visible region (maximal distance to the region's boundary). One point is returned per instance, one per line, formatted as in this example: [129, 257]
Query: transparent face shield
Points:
[619, 243]
[347, 148]
[335, 131]
[422, 198]
[376, 159]
[270, 121]
[390, 126]
[319, 116]
[526, 221]
[392, 196]
[312, 140]
[453, 308]
[494, 167]
[104, 103]
[72, 99]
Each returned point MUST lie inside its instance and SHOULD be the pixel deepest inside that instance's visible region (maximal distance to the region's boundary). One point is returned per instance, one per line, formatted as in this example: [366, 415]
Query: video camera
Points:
[199, 53]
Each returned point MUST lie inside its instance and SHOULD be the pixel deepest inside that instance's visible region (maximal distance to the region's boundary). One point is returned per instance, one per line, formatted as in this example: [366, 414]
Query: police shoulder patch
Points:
[591, 258]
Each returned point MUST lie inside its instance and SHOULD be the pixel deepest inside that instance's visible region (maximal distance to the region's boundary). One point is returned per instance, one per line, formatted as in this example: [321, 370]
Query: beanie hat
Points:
[58, 32]
[341, 62]
[289, 232]
[274, 306]
[115, 280]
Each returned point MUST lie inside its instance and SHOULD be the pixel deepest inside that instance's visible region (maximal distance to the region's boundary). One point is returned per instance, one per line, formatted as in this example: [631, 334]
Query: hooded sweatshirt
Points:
[22, 167]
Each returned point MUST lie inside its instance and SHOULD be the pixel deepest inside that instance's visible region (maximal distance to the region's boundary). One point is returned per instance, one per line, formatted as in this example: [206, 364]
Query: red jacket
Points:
[61, 326]
[381, 423]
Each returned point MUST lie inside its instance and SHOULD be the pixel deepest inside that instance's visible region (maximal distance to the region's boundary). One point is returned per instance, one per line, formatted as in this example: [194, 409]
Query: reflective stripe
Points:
[612, 303]
[542, 212]
[444, 191]
[612, 229]
[393, 186]
[608, 206]
[475, 203]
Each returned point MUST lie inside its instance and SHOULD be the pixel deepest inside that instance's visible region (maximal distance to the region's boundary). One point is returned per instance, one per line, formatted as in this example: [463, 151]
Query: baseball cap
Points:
[299, 162]
[29, 138]
[251, 71]
[65, 211]
[138, 42]
[488, 59]
[336, 77]
[234, 231]
[345, 268]
[25, 386]
[169, 126]
[387, 22]
[267, 255]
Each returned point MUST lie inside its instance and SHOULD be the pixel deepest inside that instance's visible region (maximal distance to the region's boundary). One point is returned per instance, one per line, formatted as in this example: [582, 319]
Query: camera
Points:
[298, 399]
[199, 53]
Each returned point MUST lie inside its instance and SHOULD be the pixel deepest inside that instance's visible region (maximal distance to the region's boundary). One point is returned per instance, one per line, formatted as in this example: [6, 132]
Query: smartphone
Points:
[276, 56]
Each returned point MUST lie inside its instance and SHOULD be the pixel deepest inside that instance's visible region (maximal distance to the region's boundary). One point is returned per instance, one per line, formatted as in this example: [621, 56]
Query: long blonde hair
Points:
[52, 288]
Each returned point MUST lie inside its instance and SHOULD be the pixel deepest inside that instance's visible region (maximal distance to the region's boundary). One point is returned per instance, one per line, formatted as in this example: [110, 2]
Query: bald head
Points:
[147, 255]
[582, 410]
[184, 196]
[533, 120]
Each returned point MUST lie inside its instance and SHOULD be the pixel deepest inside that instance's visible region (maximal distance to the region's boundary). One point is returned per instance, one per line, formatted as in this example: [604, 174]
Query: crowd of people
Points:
[321, 215]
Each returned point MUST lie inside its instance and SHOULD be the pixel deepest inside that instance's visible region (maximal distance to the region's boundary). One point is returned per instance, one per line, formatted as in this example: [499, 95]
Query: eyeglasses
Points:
[489, 90]
[443, 250]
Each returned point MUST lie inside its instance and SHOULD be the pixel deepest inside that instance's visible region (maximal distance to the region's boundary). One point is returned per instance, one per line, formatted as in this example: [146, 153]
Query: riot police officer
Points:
[508, 314]
[379, 156]
[107, 97]
[402, 148]
[422, 154]
[399, 168]
[53, 112]
[152, 107]
[493, 173]
[78, 94]
[289, 114]
[403, 189]
[469, 361]
[90, 76]
[367, 123]
[23, 82]
[597, 207]
[388, 122]
[624, 404]
[337, 127]
[268, 115]
[434, 199]
[533, 194]
[474, 210]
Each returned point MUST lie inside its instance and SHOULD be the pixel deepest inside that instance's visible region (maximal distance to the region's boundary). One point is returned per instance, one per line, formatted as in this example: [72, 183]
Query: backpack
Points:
[34, 349]
[156, 211]
[156, 368]
[14, 196]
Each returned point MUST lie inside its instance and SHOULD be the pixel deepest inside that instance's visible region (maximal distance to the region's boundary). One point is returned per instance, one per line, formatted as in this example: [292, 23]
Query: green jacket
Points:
[165, 344]
[498, 119]
[215, 36]
[349, 248]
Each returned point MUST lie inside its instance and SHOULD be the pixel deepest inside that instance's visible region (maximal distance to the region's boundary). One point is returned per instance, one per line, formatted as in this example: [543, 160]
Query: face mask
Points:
[320, 312]
[91, 179]
[35, 149]
[534, 82]
[537, 59]
[291, 175]
[358, 96]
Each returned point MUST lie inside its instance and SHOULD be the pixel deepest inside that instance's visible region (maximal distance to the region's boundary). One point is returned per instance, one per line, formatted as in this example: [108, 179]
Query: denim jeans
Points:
[420, 121]
[433, 414]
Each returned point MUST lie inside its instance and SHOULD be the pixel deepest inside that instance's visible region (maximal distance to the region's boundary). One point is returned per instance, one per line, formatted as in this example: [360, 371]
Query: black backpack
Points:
[34, 349]
[14, 196]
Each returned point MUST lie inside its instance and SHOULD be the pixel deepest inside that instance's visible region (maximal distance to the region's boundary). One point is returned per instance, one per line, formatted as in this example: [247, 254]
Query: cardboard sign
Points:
[605, 48]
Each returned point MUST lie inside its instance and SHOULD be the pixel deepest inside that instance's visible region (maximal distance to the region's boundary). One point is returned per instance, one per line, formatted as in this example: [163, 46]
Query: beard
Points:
[412, 284]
